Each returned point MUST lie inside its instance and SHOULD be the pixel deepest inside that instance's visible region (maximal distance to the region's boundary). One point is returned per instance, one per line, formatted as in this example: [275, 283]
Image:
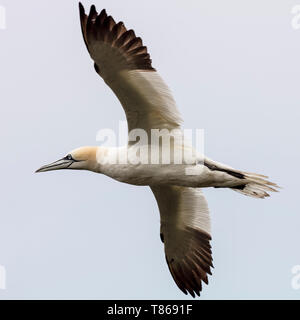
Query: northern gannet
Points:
[123, 62]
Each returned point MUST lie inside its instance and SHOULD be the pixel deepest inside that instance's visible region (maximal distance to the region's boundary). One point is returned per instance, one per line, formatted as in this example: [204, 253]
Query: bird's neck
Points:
[106, 157]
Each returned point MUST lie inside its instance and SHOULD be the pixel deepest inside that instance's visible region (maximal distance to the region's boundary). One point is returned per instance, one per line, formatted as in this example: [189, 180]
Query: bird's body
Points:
[168, 174]
[161, 158]
[119, 164]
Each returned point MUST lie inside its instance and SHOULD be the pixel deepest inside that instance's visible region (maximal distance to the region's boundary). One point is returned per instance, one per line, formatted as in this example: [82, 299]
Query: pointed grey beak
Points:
[57, 165]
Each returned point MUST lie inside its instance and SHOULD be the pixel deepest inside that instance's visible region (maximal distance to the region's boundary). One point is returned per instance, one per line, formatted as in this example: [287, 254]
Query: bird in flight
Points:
[124, 63]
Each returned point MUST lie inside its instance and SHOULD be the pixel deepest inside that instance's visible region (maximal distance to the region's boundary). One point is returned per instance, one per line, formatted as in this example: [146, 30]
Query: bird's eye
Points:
[69, 157]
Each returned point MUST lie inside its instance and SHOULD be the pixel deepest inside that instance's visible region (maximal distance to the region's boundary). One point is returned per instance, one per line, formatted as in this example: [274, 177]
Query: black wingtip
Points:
[103, 11]
[96, 68]
[192, 293]
[81, 9]
[93, 10]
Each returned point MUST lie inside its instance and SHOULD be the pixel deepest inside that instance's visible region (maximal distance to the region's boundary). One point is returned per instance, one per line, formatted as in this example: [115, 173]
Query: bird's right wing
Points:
[123, 62]
[185, 231]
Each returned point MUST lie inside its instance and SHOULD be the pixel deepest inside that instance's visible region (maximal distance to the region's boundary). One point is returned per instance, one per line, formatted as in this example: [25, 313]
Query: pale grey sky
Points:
[233, 67]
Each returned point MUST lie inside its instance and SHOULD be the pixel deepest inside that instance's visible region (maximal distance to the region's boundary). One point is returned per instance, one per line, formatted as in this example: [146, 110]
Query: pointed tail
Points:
[251, 184]
[256, 186]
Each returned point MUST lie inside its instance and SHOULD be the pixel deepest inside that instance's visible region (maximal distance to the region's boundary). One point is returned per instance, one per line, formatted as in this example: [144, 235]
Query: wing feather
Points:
[124, 63]
[185, 231]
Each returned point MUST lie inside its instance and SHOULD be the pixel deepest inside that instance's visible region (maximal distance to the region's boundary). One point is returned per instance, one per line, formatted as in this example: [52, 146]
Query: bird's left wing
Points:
[185, 231]
[123, 62]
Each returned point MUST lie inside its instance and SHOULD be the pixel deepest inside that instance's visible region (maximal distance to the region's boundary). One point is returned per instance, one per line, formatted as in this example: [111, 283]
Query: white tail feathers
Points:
[252, 184]
[256, 186]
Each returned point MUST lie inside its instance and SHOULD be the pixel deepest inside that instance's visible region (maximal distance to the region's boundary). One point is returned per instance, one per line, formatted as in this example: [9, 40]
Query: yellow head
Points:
[84, 158]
